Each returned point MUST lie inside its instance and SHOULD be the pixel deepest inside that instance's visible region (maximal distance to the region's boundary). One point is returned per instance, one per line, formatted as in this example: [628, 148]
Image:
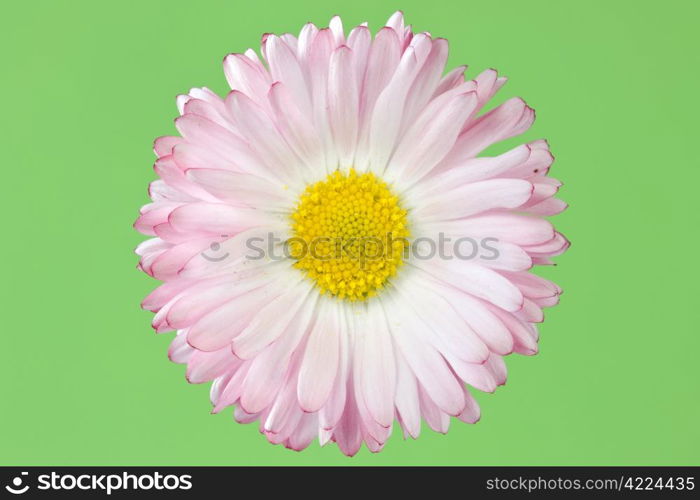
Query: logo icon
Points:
[17, 483]
[215, 247]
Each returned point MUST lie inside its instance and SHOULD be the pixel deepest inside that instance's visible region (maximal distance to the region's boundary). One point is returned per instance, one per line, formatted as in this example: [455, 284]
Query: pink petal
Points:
[452, 79]
[360, 42]
[335, 406]
[509, 119]
[163, 146]
[477, 169]
[437, 420]
[168, 264]
[336, 27]
[386, 118]
[343, 104]
[348, 433]
[477, 281]
[472, 412]
[239, 188]
[430, 138]
[524, 335]
[407, 399]
[273, 320]
[297, 128]
[426, 363]
[376, 376]
[206, 366]
[451, 335]
[518, 229]
[180, 351]
[426, 81]
[214, 218]
[475, 198]
[218, 328]
[285, 68]
[245, 75]
[484, 323]
[260, 131]
[320, 362]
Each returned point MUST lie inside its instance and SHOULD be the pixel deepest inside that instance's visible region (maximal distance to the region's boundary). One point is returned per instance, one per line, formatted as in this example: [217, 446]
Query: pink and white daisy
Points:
[349, 139]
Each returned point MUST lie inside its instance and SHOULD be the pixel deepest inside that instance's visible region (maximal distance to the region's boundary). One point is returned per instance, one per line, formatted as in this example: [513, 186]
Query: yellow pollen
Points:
[349, 235]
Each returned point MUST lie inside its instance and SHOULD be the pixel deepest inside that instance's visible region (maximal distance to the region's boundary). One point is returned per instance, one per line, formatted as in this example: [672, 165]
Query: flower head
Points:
[335, 256]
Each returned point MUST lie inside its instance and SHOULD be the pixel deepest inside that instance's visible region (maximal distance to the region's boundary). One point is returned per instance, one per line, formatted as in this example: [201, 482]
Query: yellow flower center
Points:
[349, 234]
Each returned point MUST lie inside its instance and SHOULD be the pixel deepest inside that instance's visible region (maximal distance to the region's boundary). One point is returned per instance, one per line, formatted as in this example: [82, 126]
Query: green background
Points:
[87, 86]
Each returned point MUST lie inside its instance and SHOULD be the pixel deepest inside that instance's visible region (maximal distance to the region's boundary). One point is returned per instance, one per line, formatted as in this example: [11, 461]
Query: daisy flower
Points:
[335, 255]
